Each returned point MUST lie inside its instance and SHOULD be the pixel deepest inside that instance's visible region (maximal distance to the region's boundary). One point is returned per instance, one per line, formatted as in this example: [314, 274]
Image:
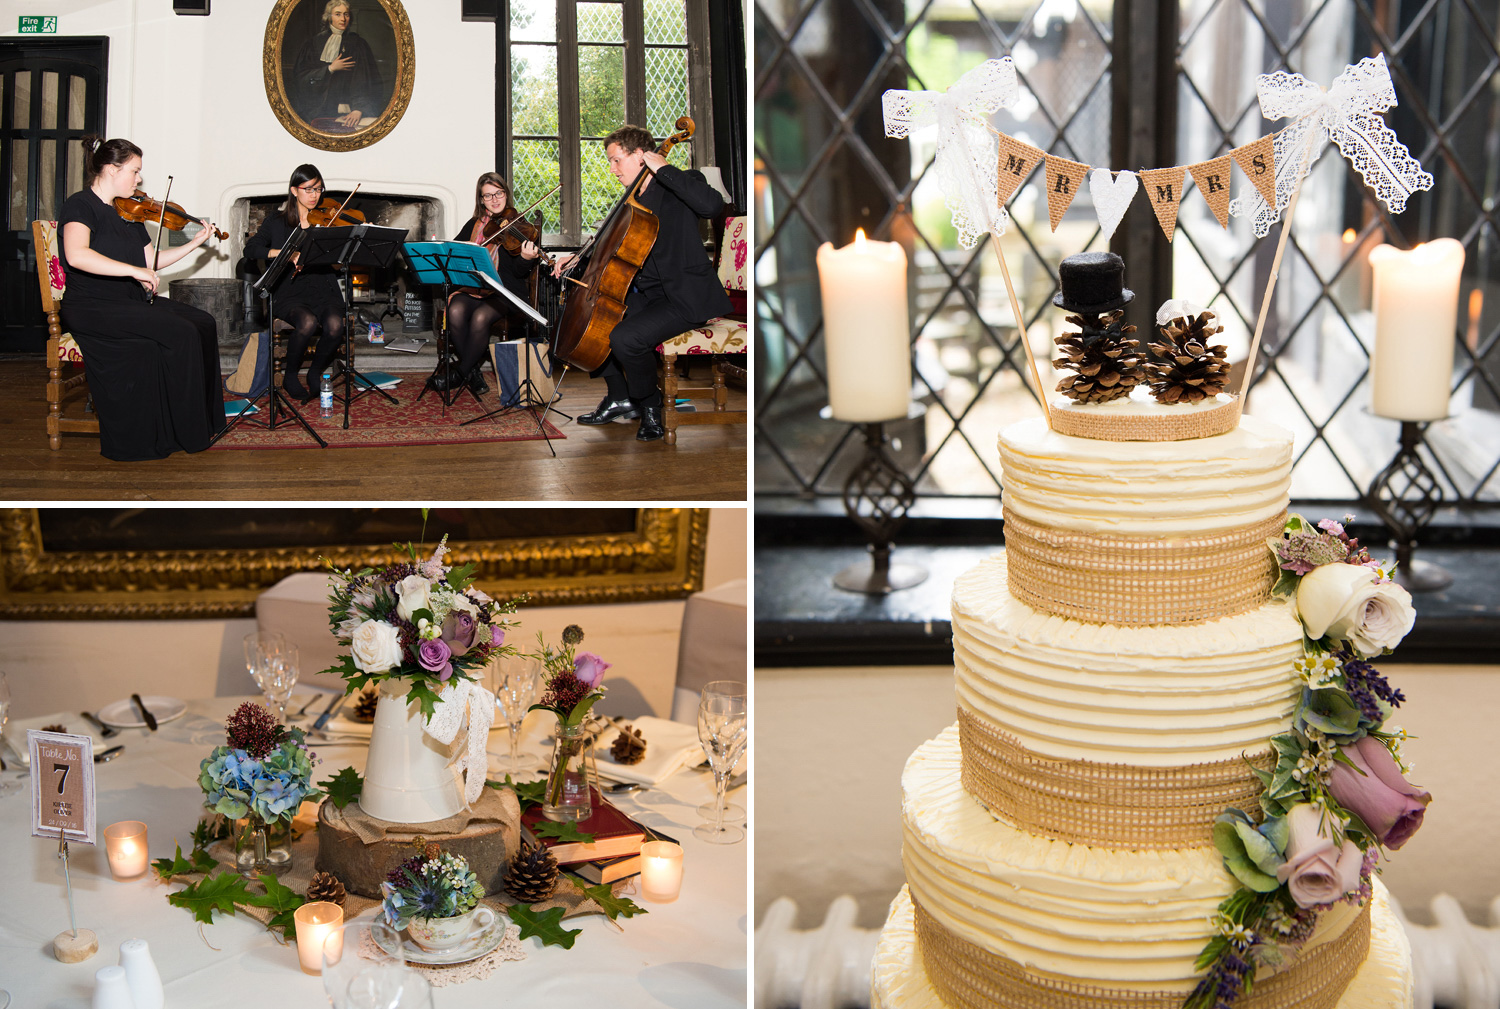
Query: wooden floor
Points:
[708, 463]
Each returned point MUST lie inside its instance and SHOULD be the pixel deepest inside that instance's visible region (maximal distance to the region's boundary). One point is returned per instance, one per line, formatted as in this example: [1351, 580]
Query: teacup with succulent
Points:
[434, 896]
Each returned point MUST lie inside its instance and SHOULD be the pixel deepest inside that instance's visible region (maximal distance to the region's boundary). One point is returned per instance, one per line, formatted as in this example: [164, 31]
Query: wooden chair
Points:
[62, 349]
[718, 338]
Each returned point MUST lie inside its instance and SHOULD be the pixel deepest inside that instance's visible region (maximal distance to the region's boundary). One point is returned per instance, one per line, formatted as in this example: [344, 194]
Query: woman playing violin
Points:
[472, 311]
[675, 289]
[309, 300]
[152, 365]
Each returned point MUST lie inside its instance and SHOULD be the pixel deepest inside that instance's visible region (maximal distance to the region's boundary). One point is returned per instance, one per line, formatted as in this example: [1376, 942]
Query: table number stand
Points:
[69, 814]
[79, 944]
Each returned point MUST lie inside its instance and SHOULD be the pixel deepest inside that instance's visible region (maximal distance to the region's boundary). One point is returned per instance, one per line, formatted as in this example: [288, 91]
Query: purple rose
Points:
[1391, 807]
[497, 636]
[434, 655]
[1316, 870]
[458, 632]
[589, 669]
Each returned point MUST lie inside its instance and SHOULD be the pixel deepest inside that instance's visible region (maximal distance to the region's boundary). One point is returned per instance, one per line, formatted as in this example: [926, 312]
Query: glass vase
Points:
[261, 847]
[571, 774]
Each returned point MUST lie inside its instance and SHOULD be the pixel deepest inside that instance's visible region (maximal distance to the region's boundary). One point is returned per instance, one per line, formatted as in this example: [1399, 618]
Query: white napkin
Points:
[670, 746]
[77, 725]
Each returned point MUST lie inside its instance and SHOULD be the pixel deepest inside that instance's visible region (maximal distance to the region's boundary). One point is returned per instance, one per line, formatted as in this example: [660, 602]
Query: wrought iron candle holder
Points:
[877, 497]
[1406, 495]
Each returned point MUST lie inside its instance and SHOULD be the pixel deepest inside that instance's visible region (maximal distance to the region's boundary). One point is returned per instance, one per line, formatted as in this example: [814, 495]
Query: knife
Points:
[104, 730]
[328, 712]
[150, 718]
[105, 756]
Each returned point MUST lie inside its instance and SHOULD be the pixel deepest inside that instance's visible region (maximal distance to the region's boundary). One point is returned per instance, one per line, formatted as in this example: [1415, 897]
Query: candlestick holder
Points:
[1406, 495]
[877, 497]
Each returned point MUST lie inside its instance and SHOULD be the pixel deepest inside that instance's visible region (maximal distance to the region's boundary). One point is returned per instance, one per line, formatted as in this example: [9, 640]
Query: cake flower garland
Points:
[1337, 793]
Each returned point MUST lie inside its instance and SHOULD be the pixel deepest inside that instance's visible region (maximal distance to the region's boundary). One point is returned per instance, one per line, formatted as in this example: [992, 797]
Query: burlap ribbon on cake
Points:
[1106, 805]
[1166, 425]
[969, 977]
[1140, 580]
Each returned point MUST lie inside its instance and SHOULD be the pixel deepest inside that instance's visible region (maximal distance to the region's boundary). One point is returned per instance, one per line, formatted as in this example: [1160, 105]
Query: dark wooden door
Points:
[52, 91]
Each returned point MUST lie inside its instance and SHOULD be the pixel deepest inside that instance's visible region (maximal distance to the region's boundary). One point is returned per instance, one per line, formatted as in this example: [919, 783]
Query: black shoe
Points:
[651, 428]
[477, 385]
[441, 382]
[608, 409]
[296, 390]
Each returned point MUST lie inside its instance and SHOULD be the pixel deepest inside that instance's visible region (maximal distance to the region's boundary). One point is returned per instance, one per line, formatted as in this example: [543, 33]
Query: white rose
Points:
[376, 647]
[464, 603]
[413, 593]
[1344, 602]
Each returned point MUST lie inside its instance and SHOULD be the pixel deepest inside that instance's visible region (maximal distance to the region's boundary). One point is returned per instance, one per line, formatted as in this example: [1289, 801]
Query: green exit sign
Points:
[38, 24]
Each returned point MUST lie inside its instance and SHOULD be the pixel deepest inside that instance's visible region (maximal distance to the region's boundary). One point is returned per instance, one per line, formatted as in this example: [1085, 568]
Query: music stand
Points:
[364, 245]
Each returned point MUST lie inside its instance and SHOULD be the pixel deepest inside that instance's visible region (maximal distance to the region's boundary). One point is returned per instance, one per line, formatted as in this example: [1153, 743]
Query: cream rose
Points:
[1316, 870]
[1345, 602]
[376, 647]
[464, 604]
[413, 593]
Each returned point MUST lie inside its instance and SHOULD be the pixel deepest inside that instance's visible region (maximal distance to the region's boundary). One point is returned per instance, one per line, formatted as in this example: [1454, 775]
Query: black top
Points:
[319, 91]
[110, 235]
[315, 288]
[515, 271]
[678, 267]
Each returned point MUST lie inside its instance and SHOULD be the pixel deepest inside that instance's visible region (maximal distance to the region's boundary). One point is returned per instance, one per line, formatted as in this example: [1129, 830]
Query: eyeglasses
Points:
[311, 189]
[492, 197]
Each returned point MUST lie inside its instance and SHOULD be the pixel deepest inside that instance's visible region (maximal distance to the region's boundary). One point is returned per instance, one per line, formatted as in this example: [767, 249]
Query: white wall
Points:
[190, 92]
[830, 744]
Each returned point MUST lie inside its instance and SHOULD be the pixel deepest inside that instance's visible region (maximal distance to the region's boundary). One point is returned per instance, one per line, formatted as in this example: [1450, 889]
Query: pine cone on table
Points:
[364, 708]
[55, 728]
[629, 746]
[1186, 368]
[1106, 358]
[325, 886]
[533, 874]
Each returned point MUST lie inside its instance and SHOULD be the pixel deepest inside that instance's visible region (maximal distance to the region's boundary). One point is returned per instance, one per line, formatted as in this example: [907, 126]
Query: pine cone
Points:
[325, 886]
[432, 850]
[533, 874]
[1105, 356]
[1185, 368]
[364, 708]
[55, 728]
[629, 746]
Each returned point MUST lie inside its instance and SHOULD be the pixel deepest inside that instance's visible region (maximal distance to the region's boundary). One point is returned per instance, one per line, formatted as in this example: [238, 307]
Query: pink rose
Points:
[497, 636]
[1390, 806]
[1316, 871]
[433, 656]
[589, 669]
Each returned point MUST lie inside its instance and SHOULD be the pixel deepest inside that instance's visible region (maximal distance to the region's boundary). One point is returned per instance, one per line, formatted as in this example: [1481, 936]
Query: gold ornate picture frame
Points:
[660, 556]
[311, 99]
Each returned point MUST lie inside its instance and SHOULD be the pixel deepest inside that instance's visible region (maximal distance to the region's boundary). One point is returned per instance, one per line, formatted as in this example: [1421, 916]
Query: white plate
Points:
[125, 715]
[472, 948]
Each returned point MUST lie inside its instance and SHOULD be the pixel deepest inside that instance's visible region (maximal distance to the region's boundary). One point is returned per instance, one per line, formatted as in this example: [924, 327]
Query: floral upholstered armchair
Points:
[62, 351]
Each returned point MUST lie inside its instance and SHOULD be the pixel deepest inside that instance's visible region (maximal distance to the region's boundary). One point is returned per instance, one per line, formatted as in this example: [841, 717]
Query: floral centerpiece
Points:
[262, 774]
[573, 683]
[433, 895]
[1338, 792]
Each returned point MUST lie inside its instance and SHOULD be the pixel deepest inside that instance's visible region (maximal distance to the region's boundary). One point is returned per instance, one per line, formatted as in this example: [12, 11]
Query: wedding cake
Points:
[1126, 680]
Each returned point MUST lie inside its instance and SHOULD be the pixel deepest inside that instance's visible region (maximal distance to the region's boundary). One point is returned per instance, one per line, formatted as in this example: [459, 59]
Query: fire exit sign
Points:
[38, 24]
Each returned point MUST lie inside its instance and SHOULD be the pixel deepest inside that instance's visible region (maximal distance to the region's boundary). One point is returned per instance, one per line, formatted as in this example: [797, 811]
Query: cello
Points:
[596, 304]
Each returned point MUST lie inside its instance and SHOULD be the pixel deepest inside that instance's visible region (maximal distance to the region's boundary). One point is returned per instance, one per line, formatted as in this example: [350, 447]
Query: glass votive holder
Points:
[315, 922]
[125, 847]
[661, 871]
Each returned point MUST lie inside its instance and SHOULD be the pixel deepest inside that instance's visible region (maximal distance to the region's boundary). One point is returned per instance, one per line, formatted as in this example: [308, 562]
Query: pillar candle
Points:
[125, 846]
[865, 329]
[1416, 309]
[661, 871]
[315, 922]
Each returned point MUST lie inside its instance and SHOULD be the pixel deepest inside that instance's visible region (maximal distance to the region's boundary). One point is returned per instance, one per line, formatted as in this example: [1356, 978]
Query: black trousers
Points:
[630, 369]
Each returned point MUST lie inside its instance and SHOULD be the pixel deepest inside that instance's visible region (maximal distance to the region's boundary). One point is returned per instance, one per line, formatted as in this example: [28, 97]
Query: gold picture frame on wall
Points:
[338, 73]
[103, 564]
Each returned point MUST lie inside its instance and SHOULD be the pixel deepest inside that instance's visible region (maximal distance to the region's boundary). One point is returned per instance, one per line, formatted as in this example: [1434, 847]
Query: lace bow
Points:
[458, 697]
[966, 149]
[1347, 114]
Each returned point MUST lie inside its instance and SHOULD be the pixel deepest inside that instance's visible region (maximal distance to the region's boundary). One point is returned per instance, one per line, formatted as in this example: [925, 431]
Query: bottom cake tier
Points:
[899, 977]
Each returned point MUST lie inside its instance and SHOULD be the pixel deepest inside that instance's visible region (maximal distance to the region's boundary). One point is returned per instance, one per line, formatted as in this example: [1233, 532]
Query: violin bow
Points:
[338, 212]
[160, 227]
[521, 216]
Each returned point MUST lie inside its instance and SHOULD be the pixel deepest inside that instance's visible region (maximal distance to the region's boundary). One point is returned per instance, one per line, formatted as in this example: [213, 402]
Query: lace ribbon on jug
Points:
[448, 717]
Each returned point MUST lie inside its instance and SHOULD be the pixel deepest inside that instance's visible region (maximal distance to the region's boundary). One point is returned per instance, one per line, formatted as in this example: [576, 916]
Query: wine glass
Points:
[516, 678]
[347, 966]
[7, 787]
[272, 660]
[723, 714]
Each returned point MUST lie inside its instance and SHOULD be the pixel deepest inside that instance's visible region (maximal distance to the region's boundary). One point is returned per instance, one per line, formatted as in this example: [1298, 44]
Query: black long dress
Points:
[315, 288]
[152, 368]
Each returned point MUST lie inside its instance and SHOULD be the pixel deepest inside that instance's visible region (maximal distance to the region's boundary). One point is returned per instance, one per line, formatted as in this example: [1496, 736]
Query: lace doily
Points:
[441, 976]
[966, 148]
[1112, 196]
[1346, 114]
[458, 697]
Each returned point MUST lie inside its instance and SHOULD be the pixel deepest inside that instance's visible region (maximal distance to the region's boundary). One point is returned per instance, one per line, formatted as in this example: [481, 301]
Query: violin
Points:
[513, 230]
[332, 214]
[142, 208]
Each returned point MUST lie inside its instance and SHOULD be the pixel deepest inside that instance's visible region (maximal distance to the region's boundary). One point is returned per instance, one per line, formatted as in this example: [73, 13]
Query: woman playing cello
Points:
[152, 364]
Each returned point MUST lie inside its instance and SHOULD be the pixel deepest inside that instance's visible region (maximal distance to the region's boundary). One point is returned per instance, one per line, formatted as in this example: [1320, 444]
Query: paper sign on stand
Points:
[62, 807]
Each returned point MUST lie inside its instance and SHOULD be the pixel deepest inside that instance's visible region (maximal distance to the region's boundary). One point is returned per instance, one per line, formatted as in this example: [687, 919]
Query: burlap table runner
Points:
[495, 805]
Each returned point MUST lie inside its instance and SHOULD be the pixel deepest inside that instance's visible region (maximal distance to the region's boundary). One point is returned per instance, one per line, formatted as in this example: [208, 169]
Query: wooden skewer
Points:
[1265, 301]
[1015, 307]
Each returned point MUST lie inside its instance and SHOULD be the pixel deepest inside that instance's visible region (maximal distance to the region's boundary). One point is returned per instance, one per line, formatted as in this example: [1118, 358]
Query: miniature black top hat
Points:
[1092, 283]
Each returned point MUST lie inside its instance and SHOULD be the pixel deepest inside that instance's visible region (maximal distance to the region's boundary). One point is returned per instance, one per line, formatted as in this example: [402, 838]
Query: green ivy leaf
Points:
[210, 829]
[344, 787]
[546, 926]
[423, 694]
[564, 830]
[282, 900]
[166, 868]
[604, 896]
[530, 793]
[202, 898]
[461, 575]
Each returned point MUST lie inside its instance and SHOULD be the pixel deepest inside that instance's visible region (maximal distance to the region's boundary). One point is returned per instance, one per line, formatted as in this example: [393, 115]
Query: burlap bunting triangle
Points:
[1064, 178]
[1164, 189]
[1258, 161]
[1212, 179]
[1017, 159]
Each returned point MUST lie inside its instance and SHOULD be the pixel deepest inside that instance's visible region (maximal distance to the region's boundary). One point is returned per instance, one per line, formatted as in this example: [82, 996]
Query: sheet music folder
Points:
[462, 264]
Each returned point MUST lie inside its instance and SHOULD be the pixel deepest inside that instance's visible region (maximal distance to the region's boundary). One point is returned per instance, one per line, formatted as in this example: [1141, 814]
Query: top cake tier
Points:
[1143, 532]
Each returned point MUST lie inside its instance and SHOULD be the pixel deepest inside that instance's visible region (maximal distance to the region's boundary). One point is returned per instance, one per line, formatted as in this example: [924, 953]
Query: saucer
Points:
[125, 715]
[485, 941]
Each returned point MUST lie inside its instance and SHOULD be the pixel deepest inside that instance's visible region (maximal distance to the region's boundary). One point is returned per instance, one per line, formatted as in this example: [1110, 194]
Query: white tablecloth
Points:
[690, 954]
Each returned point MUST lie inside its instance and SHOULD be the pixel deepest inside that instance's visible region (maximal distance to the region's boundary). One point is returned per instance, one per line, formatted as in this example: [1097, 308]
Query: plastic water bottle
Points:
[325, 396]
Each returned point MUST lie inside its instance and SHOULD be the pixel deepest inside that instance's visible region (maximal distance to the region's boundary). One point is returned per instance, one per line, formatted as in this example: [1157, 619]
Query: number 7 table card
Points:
[62, 786]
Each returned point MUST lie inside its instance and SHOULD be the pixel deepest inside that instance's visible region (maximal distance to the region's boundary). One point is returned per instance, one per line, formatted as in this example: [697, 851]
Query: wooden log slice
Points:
[362, 867]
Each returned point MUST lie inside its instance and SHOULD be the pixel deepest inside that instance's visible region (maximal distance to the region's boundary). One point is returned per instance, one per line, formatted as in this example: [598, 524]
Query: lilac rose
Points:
[433, 656]
[589, 668]
[497, 636]
[1316, 870]
[458, 632]
[1390, 806]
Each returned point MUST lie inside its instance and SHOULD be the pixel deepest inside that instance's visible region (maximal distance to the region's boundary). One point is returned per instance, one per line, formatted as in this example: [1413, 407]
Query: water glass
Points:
[723, 729]
[8, 786]
[368, 969]
[273, 663]
[516, 678]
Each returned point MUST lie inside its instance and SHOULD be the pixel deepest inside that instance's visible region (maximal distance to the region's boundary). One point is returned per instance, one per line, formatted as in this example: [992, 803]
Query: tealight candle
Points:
[661, 871]
[125, 846]
[865, 331]
[1416, 310]
[315, 922]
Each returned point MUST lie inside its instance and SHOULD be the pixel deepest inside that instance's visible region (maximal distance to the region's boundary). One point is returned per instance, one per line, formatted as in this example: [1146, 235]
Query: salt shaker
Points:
[110, 989]
[141, 974]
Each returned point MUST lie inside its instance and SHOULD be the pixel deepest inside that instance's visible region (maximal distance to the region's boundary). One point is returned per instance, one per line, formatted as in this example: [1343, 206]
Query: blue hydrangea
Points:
[237, 785]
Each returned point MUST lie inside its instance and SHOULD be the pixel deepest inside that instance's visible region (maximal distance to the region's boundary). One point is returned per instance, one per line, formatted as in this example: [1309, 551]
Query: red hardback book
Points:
[609, 869]
[615, 834]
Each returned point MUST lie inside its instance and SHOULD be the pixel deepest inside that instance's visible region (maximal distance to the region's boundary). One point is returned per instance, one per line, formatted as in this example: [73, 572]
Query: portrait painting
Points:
[338, 72]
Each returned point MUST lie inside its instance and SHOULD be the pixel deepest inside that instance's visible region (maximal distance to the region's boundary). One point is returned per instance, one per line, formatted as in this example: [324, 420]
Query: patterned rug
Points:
[375, 422]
